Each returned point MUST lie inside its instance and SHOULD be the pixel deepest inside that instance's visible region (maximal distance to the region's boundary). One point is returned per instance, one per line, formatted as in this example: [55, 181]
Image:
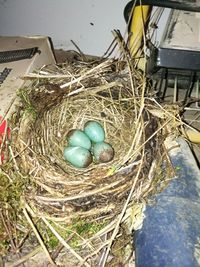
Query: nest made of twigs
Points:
[56, 198]
[100, 91]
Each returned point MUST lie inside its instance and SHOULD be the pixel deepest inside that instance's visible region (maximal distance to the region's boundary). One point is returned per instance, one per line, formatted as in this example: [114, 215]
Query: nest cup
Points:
[64, 190]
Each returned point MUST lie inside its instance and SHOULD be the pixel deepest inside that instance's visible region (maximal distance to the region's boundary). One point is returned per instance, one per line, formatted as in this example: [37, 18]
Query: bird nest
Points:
[59, 98]
[50, 113]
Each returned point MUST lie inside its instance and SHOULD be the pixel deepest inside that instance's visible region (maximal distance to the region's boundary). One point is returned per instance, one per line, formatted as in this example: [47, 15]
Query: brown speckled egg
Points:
[103, 152]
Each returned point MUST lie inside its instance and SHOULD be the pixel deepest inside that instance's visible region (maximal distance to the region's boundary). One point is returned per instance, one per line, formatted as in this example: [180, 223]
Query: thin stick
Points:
[38, 236]
[103, 87]
[8, 232]
[13, 158]
[89, 193]
[169, 114]
[77, 80]
[79, 50]
[114, 45]
[62, 241]
[4, 173]
[142, 145]
[121, 215]
[59, 248]
[95, 252]
[44, 76]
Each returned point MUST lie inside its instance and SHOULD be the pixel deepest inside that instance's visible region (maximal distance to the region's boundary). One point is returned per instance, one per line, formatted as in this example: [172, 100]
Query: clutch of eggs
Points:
[80, 144]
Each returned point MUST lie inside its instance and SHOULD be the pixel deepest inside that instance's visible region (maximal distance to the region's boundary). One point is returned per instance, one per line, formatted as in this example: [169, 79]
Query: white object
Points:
[19, 68]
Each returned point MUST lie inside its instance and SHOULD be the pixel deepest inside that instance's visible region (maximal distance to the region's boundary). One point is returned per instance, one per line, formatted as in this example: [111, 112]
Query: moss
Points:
[4, 246]
[11, 191]
[80, 228]
[84, 229]
[28, 107]
[53, 242]
[87, 229]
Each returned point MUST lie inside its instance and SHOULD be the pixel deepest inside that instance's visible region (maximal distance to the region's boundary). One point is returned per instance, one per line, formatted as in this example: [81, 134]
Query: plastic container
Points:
[170, 234]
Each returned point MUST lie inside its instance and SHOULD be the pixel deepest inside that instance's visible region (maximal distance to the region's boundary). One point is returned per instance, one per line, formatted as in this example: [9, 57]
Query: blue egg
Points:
[94, 131]
[78, 138]
[79, 157]
[103, 152]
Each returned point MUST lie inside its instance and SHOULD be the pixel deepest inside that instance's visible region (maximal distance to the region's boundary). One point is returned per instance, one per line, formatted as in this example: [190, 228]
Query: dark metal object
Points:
[173, 59]
[174, 63]
[4, 74]
[176, 57]
[189, 5]
[167, 61]
[15, 55]
[192, 5]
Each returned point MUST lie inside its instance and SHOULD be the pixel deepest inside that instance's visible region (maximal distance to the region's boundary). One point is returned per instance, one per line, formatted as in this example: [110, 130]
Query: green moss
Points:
[4, 246]
[11, 191]
[23, 94]
[87, 229]
[28, 106]
[80, 228]
[53, 242]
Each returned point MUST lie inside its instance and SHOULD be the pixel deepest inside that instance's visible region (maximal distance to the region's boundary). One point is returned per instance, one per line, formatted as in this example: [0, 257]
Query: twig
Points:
[77, 80]
[13, 158]
[38, 236]
[44, 76]
[8, 232]
[95, 252]
[89, 193]
[4, 173]
[79, 50]
[170, 114]
[142, 145]
[21, 242]
[103, 87]
[59, 248]
[62, 241]
[103, 252]
[121, 215]
[110, 49]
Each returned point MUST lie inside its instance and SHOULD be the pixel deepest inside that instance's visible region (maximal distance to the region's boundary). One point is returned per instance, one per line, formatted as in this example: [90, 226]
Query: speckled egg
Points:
[79, 157]
[78, 138]
[103, 152]
[94, 131]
